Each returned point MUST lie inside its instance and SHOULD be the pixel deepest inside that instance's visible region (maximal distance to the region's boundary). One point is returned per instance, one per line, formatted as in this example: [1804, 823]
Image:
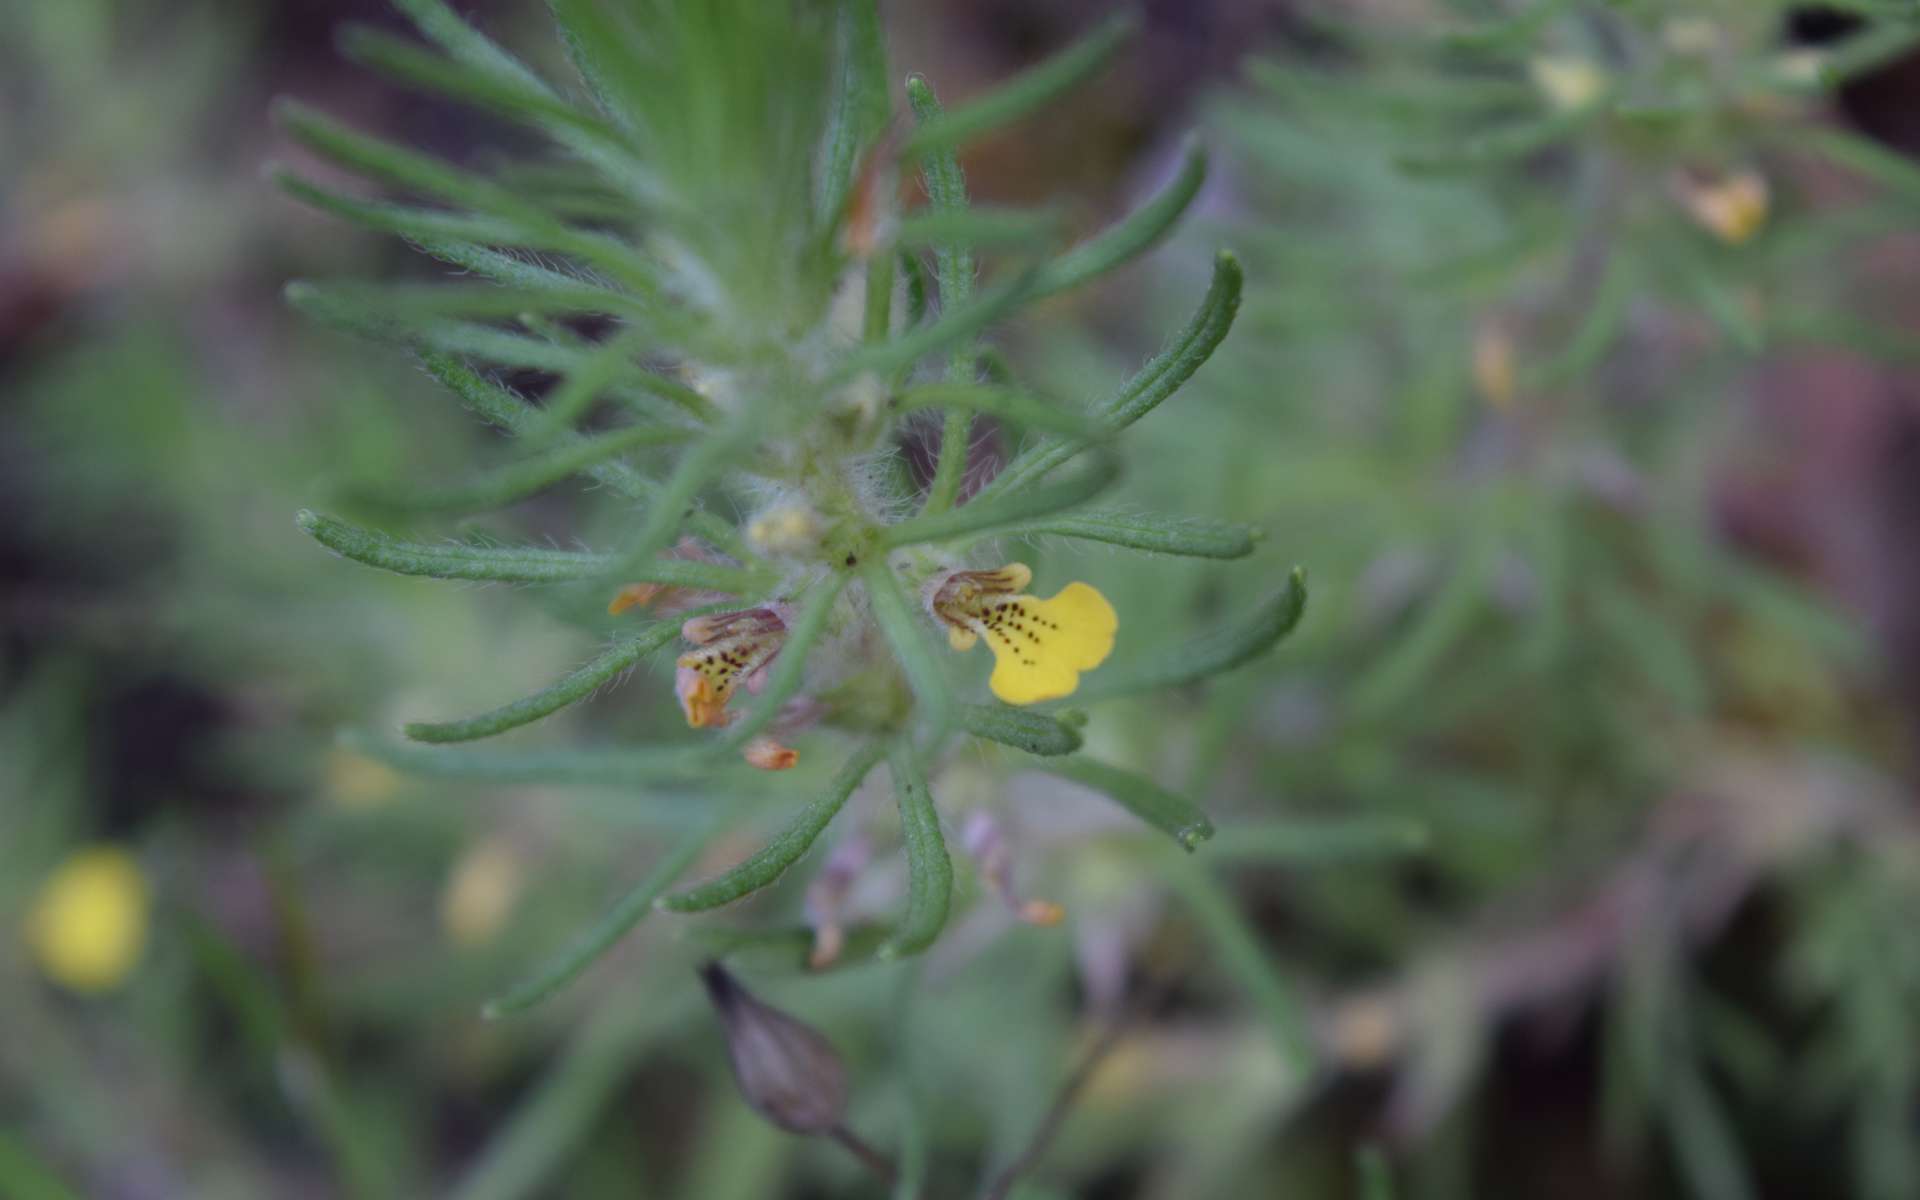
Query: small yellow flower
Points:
[1494, 371]
[733, 646]
[1568, 83]
[1732, 208]
[88, 925]
[1040, 647]
[480, 892]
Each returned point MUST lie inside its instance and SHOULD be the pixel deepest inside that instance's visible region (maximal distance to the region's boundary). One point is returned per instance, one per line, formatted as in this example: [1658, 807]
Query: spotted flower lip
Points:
[1040, 647]
[730, 647]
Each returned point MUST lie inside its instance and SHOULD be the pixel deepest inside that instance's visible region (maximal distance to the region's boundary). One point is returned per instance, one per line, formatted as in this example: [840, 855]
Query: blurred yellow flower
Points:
[1732, 208]
[480, 892]
[88, 925]
[1568, 83]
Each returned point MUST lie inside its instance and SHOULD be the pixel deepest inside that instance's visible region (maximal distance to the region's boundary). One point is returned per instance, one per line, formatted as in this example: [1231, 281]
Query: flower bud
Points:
[787, 1071]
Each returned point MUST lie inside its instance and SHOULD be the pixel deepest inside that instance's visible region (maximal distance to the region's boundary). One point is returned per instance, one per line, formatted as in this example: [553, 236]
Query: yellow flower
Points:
[1040, 647]
[89, 923]
[733, 647]
[1732, 207]
[480, 892]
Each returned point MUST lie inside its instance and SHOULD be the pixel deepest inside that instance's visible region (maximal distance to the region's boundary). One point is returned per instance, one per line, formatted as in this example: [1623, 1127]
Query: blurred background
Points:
[1600, 438]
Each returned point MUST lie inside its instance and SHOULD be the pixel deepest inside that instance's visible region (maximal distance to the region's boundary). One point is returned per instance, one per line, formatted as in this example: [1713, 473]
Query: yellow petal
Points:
[89, 923]
[1040, 647]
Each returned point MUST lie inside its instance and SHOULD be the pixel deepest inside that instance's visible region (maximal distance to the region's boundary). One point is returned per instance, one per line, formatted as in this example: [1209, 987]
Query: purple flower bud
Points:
[787, 1071]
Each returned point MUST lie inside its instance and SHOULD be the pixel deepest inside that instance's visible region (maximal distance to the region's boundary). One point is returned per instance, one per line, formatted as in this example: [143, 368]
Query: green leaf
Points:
[1139, 232]
[918, 341]
[929, 870]
[439, 25]
[516, 482]
[515, 97]
[861, 107]
[1030, 90]
[584, 766]
[984, 516]
[1892, 170]
[1009, 404]
[407, 169]
[673, 505]
[575, 687]
[1207, 656]
[977, 227]
[953, 268]
[788, 847]
[622, 917]
[1164, 810]
[504, 410]
[1195, 537]
[1511, 143]
[1515, 32]
[905, 632]
[1021, 728]
[507, 564]
[603, 365]
[1163, 375]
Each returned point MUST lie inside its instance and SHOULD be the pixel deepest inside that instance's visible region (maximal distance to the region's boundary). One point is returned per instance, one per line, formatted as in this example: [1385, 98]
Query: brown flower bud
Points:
[787, 1071]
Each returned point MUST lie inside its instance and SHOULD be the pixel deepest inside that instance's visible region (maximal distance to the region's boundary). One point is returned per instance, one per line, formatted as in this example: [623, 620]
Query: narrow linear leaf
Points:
[1166, 811]
[577, 392]
[986, 515]
[929, 870]
[506, 564]
[504, 410]
[621, 918]
[1514, 31]
[587, 767]
[1162, 375]
[1025, 92]
[977, 228]
[1194, 537]
[522, 479]
[953, 269]
[953, 326]
[860, 108]
[441, 26]
[576, 686]
[1207, 656]
[514, 98]
[1021, 728]
[405, 220]
[1009, 404]
[788, 847]
[905, 633]
[1519, 140]
[390, 312]
[582, 293]
[405, 168]
[673, 505]
[1896, 172]
[1139, 232]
